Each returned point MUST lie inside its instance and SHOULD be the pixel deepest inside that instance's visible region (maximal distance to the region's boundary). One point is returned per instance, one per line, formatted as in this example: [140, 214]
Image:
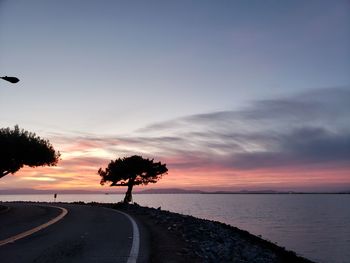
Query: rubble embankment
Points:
[198, 240]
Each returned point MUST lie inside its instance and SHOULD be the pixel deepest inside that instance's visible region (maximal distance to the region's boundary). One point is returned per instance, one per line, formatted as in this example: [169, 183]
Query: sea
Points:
[316, 226]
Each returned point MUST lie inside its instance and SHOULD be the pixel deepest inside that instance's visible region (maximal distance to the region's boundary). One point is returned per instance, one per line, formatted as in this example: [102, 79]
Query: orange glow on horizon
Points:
[80, 161]
[86, 178]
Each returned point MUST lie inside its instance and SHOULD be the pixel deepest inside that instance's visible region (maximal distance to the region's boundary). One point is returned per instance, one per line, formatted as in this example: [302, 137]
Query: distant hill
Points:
[184, 191]
[169, 191]
[28, 191]
[246, 192]
[121, 190]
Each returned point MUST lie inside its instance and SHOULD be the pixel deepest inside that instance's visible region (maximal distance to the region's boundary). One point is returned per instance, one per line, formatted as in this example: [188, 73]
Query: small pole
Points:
[54, 197]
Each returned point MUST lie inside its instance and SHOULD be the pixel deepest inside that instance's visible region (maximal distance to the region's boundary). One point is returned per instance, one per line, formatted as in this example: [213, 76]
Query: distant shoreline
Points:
[163, 193]
[29, 191]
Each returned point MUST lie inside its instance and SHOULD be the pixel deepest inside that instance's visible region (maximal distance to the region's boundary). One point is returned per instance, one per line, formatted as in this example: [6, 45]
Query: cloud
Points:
[307, 129]
[307, 146]
[308, 132]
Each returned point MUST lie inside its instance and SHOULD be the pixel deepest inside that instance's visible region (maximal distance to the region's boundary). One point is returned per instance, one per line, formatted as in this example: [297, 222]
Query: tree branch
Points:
[4, 173]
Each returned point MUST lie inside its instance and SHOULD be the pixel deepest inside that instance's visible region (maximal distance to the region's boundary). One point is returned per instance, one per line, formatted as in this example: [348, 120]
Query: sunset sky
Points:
[231, 95]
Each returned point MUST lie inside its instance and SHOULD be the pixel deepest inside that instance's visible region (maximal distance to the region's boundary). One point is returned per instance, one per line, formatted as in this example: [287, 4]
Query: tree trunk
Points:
[128, 195]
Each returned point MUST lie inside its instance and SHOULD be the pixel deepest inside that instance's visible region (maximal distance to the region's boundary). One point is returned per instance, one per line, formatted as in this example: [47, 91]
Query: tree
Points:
[130, 171]
[19, 147]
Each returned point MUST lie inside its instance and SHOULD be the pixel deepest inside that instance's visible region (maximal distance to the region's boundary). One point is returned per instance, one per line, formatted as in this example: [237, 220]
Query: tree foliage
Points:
[130, 171]
[19, 147]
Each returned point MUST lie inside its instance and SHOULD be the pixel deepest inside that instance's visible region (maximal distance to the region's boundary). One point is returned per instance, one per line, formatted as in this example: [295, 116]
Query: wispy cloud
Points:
[311, 128]
[308, 133]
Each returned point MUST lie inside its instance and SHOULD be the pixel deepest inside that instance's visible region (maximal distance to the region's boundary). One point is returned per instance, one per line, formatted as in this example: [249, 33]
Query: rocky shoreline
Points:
[211, 241]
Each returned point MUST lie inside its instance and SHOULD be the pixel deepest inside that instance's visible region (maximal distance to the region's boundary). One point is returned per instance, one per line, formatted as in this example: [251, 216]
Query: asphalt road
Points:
[85, 234]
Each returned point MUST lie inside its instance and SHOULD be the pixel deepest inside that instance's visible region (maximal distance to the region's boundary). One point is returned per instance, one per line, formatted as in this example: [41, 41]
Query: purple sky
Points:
[234, 85]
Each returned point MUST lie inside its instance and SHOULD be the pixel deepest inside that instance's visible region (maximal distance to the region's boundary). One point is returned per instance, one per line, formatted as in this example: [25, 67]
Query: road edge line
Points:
[36, 229]
[135, 247]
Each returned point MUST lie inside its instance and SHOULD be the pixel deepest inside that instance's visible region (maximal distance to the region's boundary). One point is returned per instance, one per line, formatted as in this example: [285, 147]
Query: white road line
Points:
[135, 247]
[36, 229]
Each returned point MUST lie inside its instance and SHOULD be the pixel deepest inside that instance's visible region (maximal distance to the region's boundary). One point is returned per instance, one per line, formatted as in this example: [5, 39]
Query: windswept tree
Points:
[130, 171]
[19, 147]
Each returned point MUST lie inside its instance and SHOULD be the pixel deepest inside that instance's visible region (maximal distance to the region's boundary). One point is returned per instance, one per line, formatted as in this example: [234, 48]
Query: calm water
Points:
[315, 226]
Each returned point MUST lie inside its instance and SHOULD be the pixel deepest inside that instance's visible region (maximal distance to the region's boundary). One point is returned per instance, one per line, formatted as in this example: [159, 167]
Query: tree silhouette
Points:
[10, 79]
[19, 147]
[130, 171]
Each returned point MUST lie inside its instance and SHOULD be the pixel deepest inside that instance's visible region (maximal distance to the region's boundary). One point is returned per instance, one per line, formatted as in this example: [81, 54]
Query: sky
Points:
[231, 95]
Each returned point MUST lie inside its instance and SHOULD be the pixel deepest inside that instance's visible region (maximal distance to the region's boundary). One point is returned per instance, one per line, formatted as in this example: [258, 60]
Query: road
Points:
[84, 234]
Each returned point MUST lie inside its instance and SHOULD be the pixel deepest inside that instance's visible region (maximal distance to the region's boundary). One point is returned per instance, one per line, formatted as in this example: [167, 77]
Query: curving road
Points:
[84, 234]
